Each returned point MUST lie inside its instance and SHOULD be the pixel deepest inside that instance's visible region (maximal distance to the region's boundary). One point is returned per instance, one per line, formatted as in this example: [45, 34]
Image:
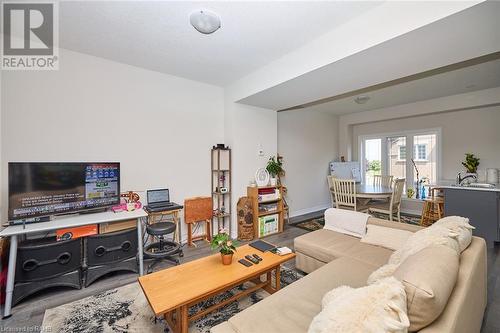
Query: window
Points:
[402, 153]
[387, 155]
[420, 152]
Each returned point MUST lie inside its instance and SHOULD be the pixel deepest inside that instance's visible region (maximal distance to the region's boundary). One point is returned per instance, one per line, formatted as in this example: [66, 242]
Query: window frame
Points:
[409, 134]
[416, 156]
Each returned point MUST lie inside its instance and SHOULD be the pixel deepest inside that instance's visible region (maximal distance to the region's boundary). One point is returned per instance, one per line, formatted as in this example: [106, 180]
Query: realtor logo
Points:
[30, 36]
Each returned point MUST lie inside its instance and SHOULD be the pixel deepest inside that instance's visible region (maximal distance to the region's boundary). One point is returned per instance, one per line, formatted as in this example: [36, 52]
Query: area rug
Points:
[126, 309]
[319, 222]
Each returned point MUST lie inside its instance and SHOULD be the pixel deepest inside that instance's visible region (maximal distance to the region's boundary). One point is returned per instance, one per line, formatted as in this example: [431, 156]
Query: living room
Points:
[163, 87]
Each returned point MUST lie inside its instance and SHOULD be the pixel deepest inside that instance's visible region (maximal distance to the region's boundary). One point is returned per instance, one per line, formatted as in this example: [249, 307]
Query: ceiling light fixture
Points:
[361, 99]
[205, 21]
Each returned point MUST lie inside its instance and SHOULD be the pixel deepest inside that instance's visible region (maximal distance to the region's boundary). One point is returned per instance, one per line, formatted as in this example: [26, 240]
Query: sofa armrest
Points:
[393, 224]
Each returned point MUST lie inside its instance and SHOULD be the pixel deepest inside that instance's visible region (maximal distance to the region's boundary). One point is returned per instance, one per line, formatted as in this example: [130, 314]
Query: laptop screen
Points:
[155, 196]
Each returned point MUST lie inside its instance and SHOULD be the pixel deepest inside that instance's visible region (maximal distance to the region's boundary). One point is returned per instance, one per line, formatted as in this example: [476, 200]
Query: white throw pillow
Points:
[346, 221]
[390, 238]
[461, 226]
[435, 235]
[378, 308]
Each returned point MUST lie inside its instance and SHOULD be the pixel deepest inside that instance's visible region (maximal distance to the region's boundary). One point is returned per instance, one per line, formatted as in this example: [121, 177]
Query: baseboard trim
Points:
[309, 210]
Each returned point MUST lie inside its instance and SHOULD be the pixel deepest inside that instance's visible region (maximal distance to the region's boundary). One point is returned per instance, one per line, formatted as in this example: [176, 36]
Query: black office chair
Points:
[161, 249]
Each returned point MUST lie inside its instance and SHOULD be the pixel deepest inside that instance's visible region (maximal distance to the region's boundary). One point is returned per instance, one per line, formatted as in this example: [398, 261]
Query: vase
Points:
[273, 181]
[227, 259]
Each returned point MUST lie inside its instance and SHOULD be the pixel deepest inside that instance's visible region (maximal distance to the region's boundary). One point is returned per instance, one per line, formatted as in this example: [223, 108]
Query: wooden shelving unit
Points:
[258, 212]
[221, 178]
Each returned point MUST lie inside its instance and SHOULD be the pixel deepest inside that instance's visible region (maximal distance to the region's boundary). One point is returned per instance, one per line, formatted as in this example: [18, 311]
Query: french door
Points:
[402, 155]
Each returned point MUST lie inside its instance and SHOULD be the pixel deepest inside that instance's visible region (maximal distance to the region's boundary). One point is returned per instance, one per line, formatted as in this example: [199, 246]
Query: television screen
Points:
[44, 189]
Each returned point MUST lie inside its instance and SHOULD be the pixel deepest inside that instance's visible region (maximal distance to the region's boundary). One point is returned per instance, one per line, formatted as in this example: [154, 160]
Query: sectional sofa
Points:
[333, 259]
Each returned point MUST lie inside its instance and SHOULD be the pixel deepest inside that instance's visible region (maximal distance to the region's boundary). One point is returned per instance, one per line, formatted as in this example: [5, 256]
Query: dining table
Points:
[366, 192]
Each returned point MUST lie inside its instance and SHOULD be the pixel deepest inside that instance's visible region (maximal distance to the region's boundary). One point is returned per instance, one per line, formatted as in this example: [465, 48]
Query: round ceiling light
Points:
[362, 99]
[205, 21]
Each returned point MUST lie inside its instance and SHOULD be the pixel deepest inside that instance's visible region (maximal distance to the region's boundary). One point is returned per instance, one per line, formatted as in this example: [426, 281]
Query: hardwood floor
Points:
[28, 315]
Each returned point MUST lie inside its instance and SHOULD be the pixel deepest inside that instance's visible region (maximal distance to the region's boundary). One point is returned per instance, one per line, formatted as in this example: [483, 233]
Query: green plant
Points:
[375, 165]
[274, 167]
[223, 243]
[471, 163]
[410, 191]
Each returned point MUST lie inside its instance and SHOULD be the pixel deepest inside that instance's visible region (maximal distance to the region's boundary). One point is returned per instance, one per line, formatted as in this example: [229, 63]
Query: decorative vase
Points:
[227, 259]
[273, 181]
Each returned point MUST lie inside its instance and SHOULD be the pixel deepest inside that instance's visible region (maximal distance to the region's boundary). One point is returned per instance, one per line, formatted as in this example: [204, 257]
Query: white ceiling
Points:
[156, 35]
[472, 78]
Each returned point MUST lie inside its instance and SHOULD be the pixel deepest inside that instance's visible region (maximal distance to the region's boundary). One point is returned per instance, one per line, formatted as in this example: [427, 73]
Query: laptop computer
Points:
[158, 199]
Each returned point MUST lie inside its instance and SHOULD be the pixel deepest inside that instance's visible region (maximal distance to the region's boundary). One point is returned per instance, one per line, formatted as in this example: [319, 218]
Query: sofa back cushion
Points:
[429, 277]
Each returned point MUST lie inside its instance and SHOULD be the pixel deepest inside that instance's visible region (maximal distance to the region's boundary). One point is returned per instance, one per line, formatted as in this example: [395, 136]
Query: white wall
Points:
[475, 131]
[307, 140]
[160, 127]
[248, 129]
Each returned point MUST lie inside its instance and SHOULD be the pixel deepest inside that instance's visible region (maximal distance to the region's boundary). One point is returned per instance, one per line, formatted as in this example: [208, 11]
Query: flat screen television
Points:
[38, 189]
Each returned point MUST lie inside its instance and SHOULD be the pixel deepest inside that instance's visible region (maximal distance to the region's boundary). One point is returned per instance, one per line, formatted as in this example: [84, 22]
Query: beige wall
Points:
[308, 142]
[476, 131]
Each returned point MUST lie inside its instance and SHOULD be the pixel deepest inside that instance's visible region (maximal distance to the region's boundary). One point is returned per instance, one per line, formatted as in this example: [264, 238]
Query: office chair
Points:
[161, 249]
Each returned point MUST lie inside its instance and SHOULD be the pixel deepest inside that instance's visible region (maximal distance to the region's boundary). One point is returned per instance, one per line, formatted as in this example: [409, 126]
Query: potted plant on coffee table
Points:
[225, 245]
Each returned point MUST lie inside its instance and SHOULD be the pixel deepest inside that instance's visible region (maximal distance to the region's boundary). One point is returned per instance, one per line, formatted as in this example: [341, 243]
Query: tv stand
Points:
[15, 231]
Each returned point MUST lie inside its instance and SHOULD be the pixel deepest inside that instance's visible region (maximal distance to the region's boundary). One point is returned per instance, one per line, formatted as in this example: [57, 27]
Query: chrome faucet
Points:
[459, 179]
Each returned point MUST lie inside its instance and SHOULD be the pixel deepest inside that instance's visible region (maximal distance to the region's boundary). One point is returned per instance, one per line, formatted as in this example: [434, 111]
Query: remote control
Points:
[245, 263]
[257, 257]
[252, 259]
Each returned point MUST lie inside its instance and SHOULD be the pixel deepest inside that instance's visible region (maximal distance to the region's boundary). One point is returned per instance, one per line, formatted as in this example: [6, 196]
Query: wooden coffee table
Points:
[172, 291]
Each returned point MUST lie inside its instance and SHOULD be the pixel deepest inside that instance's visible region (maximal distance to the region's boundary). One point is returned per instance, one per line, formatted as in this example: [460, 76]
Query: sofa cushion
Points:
[429, 277]
[293, 308]
[326, 245]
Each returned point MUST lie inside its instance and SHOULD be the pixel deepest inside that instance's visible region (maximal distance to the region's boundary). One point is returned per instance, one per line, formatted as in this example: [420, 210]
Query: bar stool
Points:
[162, 249]
[433, 209]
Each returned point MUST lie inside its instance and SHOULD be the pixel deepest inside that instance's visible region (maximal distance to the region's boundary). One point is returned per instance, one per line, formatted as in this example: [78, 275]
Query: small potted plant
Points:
[275, 169]
[410, 192]
[225, 245]
[471, 163]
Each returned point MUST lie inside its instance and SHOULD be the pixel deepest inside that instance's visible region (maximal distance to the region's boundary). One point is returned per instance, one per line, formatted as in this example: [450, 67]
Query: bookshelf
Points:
[268, 209]
[221, 188]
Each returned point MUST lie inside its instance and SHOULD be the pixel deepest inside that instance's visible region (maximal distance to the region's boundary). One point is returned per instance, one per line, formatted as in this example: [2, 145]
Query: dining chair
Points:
[394, 205]
[380, 180]
[330, 188]
[345, 195]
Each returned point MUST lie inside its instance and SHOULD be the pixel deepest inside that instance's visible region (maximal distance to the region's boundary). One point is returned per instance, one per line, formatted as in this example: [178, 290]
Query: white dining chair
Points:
[380, 180]
[345, 195]
[394, 205]
[330, 189]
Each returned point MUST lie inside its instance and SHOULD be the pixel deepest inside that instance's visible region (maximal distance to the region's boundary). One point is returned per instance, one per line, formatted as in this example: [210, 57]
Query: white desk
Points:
[61, 223]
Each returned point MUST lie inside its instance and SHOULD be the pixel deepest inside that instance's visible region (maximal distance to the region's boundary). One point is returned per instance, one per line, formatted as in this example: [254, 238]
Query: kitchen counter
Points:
[451, 185]
[480, 205]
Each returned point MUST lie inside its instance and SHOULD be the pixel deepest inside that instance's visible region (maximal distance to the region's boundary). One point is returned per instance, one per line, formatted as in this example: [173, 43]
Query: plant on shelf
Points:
[275, 168]
[225, 245]
[471, 163]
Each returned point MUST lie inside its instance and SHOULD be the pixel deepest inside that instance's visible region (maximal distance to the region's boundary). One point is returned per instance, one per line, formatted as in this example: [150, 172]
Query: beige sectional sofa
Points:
[333, 259]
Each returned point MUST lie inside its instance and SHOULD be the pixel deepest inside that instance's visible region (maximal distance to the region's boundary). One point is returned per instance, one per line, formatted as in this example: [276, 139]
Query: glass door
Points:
[396, 156]
[372, 159]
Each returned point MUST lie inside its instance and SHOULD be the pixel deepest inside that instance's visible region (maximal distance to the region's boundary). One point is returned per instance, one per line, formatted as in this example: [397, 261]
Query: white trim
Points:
[409, 134]
[310, 210]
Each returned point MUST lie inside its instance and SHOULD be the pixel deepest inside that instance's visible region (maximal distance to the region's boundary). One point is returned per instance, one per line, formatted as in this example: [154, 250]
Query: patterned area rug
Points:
[319, 222]
[126, 309]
